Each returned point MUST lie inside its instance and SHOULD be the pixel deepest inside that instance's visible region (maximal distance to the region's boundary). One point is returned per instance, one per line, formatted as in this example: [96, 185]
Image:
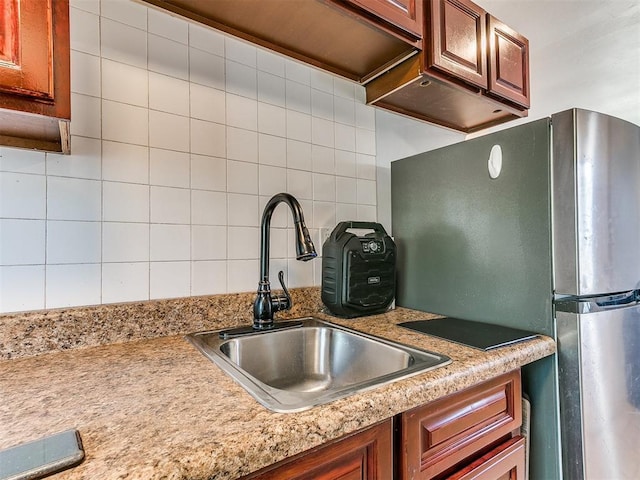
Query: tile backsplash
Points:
[180, 135]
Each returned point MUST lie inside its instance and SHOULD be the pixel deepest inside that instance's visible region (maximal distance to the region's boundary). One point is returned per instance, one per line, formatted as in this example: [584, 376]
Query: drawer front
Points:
[505, 462]
[444, 433]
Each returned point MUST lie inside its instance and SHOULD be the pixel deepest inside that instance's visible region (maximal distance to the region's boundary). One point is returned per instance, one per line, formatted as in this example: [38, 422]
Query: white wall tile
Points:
[365, 116]
[242, 275]
[124, 123]
[242, 112]
[168, 94]
[92, 6]
[170, 205]
[298, 126]
[367, 213]
[85, 160]
[300, 184]
[206, 69]
[365, 141]
[324, 187]
[360, 94]
[170, 242]
[240, 51]
[346, 212]
[123, 162]
[125, 83]
[345, 163]
[208, 138]
[72, 285]
[169, 168]
[125, 282]
[21, 288]
[298, 72]
[243, 243]
[208, 277]
[85, 112]
[321, 80]
[208, 173]
[131, 13]
[242, 145]
[322, 104]
[243, 210]
[271, 89]
[346, 190]
[272, 180]
[123, 43]
[343, 88]
[279, 242]
[207, 103]
[207, 39]
[272, 119]
[241, 80]
[85, 73]
[168, 57]
[170, 279]
[73, 242]
[169, 131]
[299, 155]
[125, 202]
[22, 196]
[345, 111]
[300, 274]
[18, 160]
[324, 215]
[281, 215]
[73, 199]
[322, 132]
[84, 31]
[345, 137]
[270, 62]
[125, 242]
[242, 177]
[272, 150]
[366, 192]
[208, 242]
[366, 166]
[278, 264]
[168, 26]
[208, 208]
[323, 159]
[298, 96]
[22, 242]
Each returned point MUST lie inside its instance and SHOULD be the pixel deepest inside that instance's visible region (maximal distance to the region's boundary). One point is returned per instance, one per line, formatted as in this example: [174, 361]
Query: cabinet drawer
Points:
[444, 433]
[505, 462]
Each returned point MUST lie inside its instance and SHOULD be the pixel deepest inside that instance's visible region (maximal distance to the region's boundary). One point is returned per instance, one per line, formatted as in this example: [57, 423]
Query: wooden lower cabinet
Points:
[366, 455]
[472, 434]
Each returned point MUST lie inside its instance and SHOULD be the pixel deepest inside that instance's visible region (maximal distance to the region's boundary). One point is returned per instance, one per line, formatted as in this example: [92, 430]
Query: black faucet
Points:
[265, 305]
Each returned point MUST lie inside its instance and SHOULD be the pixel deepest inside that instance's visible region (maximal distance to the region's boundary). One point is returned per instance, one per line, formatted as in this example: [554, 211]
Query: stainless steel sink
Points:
[294, 369]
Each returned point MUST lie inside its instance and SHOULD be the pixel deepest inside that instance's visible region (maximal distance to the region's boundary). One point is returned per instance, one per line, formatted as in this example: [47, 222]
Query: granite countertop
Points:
[157, 408]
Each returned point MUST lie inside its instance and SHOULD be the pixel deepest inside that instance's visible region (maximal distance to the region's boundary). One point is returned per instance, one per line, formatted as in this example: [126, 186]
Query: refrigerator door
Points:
[596, 203]
[599, 373]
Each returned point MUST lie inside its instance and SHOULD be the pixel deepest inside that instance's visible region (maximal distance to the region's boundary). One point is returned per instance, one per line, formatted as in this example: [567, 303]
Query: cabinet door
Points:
[457, 30]
[505, 462]
[405, 14]
[448, 432]
[26, 48]
[367, 455]
[508, 63]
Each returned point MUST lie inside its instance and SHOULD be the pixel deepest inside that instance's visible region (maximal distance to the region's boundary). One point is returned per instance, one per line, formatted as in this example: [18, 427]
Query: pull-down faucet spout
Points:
[265, 305]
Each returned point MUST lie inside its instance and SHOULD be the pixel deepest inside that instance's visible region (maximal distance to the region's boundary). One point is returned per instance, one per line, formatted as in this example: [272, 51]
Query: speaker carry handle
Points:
[342, 227]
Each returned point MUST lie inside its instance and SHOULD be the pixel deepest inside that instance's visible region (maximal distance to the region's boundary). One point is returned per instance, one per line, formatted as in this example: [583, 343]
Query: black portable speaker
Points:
[358, 272]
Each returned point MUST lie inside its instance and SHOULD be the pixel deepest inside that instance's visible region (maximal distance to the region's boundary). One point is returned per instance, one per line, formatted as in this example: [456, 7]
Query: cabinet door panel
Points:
[508, 63]
[458, 46]
[406, 14]
[505, 462]
[27, 48]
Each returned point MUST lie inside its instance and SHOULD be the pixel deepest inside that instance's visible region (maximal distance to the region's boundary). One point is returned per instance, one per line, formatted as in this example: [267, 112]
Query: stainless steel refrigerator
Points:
[538, 227]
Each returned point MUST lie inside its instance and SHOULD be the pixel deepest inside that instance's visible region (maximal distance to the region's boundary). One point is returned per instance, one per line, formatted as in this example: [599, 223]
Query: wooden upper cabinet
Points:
[404, 14]
[457, 33]
[508, 63]
[35, 106]
[350, 38]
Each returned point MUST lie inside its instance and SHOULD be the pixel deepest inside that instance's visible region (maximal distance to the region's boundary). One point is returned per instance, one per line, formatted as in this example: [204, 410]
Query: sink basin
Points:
[294, 369]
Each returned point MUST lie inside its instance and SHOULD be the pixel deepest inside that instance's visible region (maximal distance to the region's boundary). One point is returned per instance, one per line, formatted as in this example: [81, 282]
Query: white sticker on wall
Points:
[495, 161]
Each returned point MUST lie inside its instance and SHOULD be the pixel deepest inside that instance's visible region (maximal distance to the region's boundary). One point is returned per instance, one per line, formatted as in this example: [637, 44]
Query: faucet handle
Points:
[282, 302]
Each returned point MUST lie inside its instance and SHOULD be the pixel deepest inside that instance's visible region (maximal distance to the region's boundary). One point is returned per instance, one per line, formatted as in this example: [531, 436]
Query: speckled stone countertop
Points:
[156, 408]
